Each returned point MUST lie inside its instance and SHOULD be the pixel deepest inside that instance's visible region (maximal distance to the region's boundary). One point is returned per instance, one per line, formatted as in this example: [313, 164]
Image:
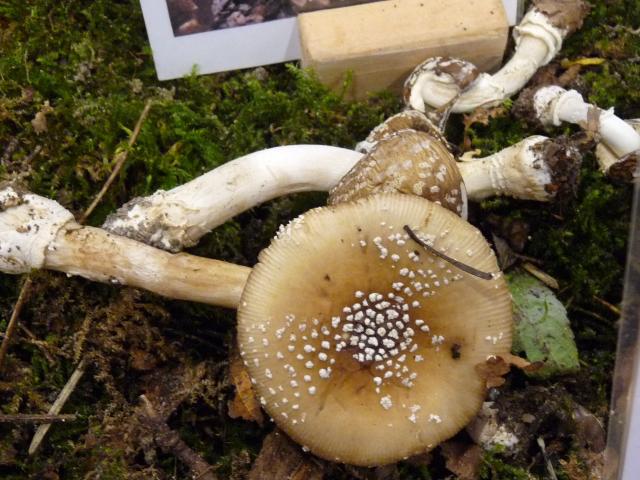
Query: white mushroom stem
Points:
[554, 105]
[606, 157]
[36, 232]
[178, 218]
[521, 171]
[537, 43]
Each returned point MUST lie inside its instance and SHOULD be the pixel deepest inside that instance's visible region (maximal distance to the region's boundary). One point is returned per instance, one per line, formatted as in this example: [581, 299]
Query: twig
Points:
[170, 442]
[595, 315]
[550, 470]
[544, 277]
[36, 418]
[462, 266]
[13, 321]
[57, 405]
[29, 158]
[8, 151]
[38, 343]
[610, 306]
[119, 158]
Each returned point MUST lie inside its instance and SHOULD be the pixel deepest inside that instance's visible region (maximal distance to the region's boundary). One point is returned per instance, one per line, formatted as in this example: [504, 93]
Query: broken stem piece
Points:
[441, 81]
[536, 168]
[554, 105]
[39, 233]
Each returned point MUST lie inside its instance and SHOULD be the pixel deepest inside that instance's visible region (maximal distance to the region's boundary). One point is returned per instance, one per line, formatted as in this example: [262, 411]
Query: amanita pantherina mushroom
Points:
[440, 82]
[406, 161]
[36, 232]
[175, 219]
[552, 105]
[362, 344]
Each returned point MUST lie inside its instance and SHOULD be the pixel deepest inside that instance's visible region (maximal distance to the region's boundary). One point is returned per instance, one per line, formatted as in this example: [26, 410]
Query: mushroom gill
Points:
[362, 345]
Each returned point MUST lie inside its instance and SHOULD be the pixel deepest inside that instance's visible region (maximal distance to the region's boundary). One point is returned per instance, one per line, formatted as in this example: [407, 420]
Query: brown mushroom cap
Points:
[361, 344]
[566, 15]
[406, 120]
[410, 162]
[461, 72]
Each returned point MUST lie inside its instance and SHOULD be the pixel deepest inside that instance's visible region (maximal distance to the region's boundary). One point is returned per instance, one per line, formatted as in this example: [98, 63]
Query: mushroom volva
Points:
[361, 343]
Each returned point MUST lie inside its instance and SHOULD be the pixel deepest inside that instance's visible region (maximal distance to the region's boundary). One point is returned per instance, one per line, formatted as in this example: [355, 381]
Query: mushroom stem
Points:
[177, 218]
[538, 39]
[622, 168]
[40, 233]
[536, 168]
[553, 105]
[103, 257]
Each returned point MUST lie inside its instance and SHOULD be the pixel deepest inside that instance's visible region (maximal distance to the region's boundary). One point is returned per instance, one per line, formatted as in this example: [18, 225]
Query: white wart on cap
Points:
[362, 345]
[407, 161]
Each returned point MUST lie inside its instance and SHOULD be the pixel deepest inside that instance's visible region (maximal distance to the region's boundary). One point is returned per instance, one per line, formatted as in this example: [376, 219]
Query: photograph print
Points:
[197, 16]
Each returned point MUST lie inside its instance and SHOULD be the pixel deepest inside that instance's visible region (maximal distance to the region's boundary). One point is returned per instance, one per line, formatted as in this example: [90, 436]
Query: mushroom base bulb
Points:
[362, 344]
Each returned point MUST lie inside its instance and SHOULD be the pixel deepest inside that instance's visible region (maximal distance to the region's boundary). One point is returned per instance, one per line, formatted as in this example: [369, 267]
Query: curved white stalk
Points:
[177, 218]
[538, 39]
[36, 232]
[553, 105]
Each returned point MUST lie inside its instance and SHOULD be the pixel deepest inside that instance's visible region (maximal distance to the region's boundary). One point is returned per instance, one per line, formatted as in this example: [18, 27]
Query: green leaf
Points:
[542, 330]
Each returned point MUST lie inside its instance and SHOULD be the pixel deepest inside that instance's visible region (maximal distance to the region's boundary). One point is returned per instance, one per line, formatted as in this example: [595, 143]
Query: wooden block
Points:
[382, 42]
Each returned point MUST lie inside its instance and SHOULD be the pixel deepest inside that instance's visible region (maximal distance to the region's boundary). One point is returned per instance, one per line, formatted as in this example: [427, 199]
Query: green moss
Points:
[495, 467]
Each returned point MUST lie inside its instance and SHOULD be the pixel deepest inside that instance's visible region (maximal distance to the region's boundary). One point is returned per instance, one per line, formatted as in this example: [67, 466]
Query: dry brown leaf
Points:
[39, 122]
[493, 370]
[522, 363]
[281, 458]
[462, 459]
[245, 405]
[142, 360]
[481, 116]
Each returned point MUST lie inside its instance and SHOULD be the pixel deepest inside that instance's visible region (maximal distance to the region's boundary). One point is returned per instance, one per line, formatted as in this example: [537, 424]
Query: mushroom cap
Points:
[566, 15]
[443, 77]
[361, 344]
[407, 161]
[406, 120]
